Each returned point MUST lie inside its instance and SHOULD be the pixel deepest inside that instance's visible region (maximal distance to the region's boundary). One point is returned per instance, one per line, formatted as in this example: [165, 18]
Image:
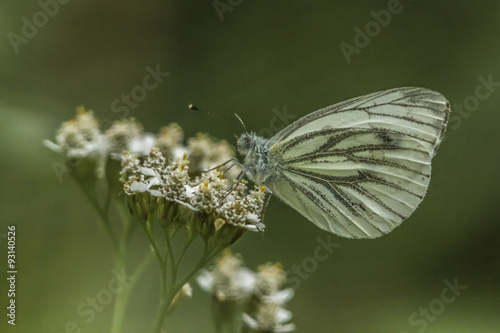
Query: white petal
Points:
[179, 152]
[285, 328]
[254, 226]
[147, 171]
[153, 181]
[190, 191]
[80, 152]
[279, 297]
[138, 187]
[205, 280]
[252, 323]
[283, 315]
[251, 217]
[246, 278]
[142, 144]
[185, 204]
[187, 290]
[250, 227]
[97, 147]
[52, 146]
[156, 193]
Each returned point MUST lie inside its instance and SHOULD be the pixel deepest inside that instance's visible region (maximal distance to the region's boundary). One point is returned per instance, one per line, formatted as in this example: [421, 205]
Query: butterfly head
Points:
[245, 143]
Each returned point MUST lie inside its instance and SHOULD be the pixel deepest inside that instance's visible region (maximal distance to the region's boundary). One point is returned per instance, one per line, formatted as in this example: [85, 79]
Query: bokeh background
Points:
[254, 58]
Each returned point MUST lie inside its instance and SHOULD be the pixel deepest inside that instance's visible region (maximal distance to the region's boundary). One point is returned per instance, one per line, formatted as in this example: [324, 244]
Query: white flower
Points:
[205, 152]
[206, 195]
[279, 297]
[228, 280]
[190, 191]
[269, 279]
[253, 223]
[254, 218]
[142, 144]
[81, 138]
[138, 187]
[269, 314]
[269, 317]
[169, 141]
[179, 151]
[122, 134]
[145, 184]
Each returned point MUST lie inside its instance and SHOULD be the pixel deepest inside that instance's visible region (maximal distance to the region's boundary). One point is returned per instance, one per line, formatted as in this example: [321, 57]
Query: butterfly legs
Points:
[268, 199]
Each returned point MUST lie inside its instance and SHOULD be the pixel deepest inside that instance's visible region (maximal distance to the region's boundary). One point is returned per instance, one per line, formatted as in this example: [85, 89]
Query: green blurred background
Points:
[262, 56]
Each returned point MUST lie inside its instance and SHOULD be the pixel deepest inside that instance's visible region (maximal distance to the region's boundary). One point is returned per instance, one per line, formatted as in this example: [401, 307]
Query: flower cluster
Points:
[79, 137]
[260, 292]
[229, 280]
[152, 181]
[205, 152]
[169, 187]
[84, 137]
[267, 312]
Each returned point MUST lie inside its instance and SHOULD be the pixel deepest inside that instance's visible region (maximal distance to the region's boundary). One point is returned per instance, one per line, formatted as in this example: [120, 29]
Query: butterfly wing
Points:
[361, 167]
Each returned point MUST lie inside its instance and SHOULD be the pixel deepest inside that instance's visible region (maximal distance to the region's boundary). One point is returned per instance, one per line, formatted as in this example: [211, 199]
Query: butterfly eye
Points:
[244, 143]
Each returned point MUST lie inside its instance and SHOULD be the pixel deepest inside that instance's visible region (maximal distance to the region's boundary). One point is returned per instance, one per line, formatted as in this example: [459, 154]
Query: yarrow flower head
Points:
[152, 182]
[80, 138]
[169, 188]
[128, 134]
[83, 138]
[260, 296]
[267, 312]
[229, 279]
[269, 317]
[205, 152]
[269, 280]
[230, 284]
[159, 178]
[169, 140]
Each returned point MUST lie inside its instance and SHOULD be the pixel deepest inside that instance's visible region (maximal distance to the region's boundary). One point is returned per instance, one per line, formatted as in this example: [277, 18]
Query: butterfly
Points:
[358, 168]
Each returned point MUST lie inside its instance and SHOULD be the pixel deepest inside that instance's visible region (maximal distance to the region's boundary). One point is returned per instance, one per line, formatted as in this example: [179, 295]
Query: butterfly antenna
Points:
[194, 108]
[241, 122]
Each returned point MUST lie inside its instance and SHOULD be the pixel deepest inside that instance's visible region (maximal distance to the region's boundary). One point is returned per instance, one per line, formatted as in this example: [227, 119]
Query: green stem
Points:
[169, 293]
[163, 261]
[105, 223]
[165, 301]
[148, 228]
[205, 259]
[121, 299]
[174, 267]
[184, 250]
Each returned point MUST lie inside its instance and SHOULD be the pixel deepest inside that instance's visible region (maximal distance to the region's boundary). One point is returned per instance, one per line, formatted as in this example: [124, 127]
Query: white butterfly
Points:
[357, 168]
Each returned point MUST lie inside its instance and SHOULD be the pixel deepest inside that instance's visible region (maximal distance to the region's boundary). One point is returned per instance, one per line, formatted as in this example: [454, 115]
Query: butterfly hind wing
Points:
[361, 167]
